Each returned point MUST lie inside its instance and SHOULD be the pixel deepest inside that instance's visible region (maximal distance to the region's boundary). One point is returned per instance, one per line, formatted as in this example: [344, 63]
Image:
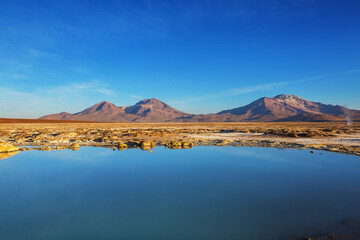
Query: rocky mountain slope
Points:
[148, 110]
[279, 108]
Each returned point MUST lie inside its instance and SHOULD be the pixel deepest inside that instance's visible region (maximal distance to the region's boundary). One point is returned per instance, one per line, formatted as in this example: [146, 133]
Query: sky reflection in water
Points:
[199, 193]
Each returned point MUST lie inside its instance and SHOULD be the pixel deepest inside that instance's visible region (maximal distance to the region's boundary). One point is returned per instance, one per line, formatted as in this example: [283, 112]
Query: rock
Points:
[45, 149]
[133, 143]
[7, 147]
[146, 145]
[145, 148]
[319, 146]
[187, 147]
[7, 154]
[121, 145]
[74, 146]
[187, 144]
[173, 144]
[299, 145]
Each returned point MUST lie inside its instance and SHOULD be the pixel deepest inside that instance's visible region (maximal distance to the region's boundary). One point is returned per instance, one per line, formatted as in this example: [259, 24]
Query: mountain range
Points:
[279, 108]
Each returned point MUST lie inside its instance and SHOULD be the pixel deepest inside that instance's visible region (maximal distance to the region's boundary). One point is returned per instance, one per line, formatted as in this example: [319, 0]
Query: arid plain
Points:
[57, 135]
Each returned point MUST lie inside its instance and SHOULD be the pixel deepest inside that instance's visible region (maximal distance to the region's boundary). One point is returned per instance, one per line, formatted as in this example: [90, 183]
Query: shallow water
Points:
[200, 193]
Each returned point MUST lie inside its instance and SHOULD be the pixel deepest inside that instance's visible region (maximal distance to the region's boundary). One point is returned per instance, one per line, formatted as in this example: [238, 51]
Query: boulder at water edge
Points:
[6, 155]
[7, 147]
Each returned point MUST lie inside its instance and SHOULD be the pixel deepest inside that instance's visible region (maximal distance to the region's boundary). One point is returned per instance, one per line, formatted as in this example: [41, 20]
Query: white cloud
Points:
[256, 88]
[106, 92]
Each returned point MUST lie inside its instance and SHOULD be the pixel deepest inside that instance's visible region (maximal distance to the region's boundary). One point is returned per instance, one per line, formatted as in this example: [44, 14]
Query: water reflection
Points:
[203, 193]
[7, 155]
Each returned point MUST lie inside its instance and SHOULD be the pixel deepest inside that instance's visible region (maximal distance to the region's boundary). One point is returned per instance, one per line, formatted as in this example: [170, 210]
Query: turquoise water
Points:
[200, 193]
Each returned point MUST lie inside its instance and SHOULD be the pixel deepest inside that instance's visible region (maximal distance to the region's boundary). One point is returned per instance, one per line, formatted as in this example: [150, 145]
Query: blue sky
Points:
[199, 56]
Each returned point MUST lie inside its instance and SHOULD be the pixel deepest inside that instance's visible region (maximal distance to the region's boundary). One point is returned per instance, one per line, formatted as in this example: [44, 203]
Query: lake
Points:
[199, 193]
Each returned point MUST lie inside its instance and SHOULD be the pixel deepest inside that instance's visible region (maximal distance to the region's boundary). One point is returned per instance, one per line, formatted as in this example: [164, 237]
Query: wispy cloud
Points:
[36, 53]
[234, 92]
[259, 88]
[106, 92]
[256, 88]
[83, 88]
[349, 71]
[25, 63]
[136, 97]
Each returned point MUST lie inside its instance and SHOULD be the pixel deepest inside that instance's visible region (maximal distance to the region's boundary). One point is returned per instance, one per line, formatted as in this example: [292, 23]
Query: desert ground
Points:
[56, 135]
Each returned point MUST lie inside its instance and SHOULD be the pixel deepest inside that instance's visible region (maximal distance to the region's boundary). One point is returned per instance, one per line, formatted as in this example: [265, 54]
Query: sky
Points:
[199, 56]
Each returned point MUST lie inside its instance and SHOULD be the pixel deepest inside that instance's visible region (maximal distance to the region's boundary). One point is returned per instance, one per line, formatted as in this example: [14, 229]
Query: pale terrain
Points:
[335, 136]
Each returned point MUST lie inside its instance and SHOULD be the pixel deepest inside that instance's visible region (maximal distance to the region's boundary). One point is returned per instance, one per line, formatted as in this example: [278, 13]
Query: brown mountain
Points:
[283, 107]
[279, 108]
[148, 110]
[311, 117]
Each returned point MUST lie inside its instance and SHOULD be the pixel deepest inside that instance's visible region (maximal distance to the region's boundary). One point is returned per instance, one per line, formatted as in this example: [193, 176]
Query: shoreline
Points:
[333, 136]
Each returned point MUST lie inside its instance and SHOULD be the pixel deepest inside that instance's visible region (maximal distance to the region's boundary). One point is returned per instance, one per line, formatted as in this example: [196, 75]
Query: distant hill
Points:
[286, 108]
[290, 108]
[148, 110]
[279, 108]
[311, 117]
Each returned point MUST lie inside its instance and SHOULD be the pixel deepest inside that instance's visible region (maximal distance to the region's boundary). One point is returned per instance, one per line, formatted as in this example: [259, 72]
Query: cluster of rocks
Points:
[147, 145]
[172, 136]
[7, 150]
[7, 147]
[11, 150]
[178, 144]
